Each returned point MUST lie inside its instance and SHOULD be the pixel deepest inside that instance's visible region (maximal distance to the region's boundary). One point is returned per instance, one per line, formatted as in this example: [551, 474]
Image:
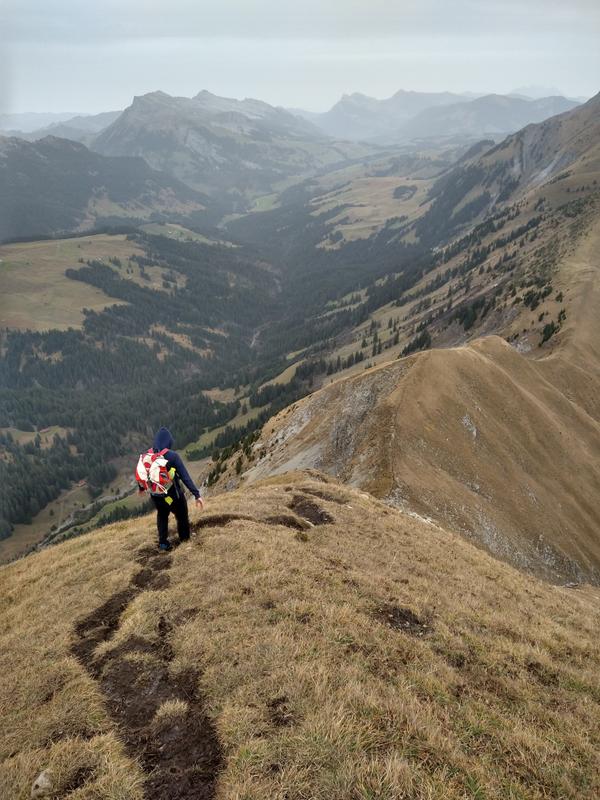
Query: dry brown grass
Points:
[368, 204]
[495, 444]
[35, 293]
[313, 693]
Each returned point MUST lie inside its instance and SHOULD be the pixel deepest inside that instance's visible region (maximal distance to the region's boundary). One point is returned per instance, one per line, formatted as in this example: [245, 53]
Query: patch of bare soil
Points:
[280, 713]
[543, 674]
[79, 779]
[402, 619]
[159, 714]
[214, 520]
[289, 520]
[153, 575]
[331, 498]
[310, 511]
[100, 626]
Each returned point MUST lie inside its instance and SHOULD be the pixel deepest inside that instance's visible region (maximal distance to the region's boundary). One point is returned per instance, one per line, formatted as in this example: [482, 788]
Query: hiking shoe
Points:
[164, 547]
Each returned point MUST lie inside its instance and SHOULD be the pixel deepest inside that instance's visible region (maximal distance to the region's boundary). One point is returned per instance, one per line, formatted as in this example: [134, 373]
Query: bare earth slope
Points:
[309, 642]
[501, 447]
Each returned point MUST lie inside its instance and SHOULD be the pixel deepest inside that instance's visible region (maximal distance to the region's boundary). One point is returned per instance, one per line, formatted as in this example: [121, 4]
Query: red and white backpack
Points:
[153, 474]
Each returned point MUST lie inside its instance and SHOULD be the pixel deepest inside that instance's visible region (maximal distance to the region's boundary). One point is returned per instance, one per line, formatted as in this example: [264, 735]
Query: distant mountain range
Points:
[228, 150]
[29, 121]
[81, 128]
[415, 115]
[358, 116]
[355, 117]
[162, 154]
[538, 92]
[219, 145]
[492, 115]
[562, 148]
[57, 185]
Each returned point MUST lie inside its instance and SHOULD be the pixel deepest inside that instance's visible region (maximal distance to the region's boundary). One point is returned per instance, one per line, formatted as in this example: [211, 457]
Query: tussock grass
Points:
[170, 712]
[313, 693]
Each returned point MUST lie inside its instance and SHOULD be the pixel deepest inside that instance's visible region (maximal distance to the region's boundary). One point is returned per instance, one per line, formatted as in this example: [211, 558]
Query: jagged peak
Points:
[356, 96]
[150, 98]
[219, 102]
[412, 92]
[204, 94]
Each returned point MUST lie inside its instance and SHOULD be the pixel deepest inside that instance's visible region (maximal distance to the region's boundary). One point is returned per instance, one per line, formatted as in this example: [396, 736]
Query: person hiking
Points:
[167, 493]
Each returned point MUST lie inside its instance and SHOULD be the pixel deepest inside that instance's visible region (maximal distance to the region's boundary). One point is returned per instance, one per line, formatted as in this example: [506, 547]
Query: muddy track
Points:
[177, 748]
[158, 712]
[310, 511]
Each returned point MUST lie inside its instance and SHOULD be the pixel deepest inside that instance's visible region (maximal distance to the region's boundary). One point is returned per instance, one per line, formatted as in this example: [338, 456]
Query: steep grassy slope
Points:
[370, 655]
[562, 147]
[491, 441]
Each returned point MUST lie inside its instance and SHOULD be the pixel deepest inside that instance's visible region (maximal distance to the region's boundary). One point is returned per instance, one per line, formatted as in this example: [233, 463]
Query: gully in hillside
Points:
[160, 471]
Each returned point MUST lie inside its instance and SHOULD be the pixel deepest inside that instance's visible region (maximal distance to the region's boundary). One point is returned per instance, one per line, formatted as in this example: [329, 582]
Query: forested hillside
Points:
[55, 185]
[130, 368]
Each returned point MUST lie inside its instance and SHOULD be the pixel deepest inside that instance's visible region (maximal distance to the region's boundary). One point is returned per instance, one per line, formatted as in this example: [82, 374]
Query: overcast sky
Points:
[95, 55]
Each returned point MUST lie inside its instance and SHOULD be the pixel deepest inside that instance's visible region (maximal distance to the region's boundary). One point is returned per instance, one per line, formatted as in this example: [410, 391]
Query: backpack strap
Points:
[153, 452]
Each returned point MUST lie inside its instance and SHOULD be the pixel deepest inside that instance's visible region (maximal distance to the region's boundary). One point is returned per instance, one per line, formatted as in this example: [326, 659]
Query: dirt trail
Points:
[158, 712]
[177, 748]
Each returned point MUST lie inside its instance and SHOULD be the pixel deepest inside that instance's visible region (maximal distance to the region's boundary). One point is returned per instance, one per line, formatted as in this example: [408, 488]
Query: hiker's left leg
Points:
[162, 519]
[180, 509]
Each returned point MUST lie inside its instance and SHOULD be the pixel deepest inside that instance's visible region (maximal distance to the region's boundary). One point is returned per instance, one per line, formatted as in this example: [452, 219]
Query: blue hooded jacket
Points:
[162, 440]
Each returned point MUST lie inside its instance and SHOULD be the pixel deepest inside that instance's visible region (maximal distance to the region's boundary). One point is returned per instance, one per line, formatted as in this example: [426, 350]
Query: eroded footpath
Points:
[159, 714]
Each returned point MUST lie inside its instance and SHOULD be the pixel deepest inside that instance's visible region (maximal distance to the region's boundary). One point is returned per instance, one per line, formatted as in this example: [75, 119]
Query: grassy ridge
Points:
[373, 656]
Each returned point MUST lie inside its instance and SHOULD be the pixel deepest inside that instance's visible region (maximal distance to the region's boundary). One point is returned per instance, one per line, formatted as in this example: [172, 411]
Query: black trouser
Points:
[180, 509]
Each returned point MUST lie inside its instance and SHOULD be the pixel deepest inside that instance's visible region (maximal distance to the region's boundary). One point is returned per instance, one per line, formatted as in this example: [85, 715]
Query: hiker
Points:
[160, 470]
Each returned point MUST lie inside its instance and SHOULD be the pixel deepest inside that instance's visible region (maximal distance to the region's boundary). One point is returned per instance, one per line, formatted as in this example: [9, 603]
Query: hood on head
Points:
[163, 439]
